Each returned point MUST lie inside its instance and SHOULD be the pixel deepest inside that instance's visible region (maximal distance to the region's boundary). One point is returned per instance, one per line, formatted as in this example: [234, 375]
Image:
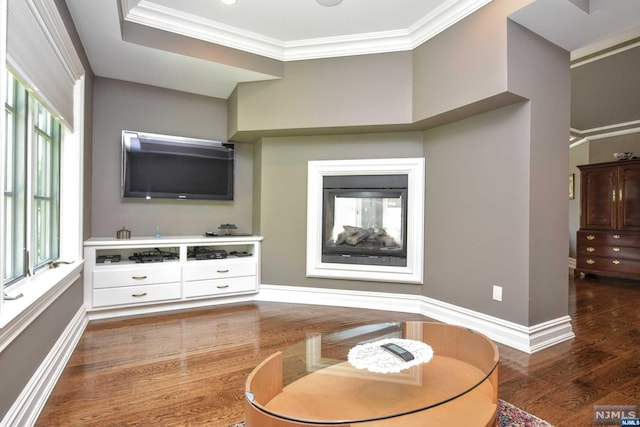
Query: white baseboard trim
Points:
[524, 338]
[340, 298]
[27, 407]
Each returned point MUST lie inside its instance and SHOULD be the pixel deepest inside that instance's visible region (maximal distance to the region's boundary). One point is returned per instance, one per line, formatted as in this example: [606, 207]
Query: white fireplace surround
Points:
[414, 169]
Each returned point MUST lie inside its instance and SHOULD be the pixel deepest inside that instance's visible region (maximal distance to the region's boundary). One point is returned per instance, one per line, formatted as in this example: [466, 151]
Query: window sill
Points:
[39, 292]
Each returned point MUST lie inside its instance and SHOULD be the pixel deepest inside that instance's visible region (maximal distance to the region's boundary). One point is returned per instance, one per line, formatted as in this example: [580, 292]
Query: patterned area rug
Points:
[508, 416]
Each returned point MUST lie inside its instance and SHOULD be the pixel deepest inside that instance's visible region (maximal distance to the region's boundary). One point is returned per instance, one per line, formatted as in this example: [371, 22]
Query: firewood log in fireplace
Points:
[354, 236]
[359, 236]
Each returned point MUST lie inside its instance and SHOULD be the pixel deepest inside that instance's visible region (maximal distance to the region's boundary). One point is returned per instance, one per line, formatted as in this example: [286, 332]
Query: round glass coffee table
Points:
[312, 383]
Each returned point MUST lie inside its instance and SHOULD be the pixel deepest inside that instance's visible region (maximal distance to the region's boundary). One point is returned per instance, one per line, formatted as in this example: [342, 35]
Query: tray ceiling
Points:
[135, 40]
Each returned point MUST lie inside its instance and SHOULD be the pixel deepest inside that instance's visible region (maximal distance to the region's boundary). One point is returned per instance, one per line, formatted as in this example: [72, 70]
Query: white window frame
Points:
[43, 288]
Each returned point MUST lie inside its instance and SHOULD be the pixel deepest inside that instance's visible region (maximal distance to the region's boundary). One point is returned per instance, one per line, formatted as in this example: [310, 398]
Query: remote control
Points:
[398, 351]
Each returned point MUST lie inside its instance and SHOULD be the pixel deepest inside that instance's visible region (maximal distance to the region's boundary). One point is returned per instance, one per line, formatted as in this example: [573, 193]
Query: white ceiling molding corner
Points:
[127, 5]
[443, 17]
[604, 48]
[178, 22]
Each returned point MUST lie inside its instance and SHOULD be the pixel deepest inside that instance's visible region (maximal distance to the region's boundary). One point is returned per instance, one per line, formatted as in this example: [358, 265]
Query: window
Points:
[31, 184]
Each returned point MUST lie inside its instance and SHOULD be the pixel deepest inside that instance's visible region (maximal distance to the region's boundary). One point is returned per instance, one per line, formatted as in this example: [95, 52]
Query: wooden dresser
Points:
[608, 242]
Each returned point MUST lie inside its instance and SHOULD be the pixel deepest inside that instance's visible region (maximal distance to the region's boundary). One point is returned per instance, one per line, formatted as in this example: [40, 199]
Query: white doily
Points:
[374, 358]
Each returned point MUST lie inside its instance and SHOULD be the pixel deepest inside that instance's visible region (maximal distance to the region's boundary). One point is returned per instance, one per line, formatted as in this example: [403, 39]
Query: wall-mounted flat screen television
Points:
[172, 167]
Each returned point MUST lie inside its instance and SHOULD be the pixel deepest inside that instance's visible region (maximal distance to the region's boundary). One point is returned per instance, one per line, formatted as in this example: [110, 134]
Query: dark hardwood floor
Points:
[189, 368]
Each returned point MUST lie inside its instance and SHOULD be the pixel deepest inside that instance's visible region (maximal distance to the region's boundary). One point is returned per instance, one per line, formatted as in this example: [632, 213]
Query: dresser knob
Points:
[590, 261]
[591, 249]
[616, 249]
[591, 237]
[616, 236]
[615, 261]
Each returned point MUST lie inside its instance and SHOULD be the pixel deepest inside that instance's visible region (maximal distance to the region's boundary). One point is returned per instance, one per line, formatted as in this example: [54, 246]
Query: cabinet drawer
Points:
[219, 269]
[232, 285]
[111, 277]
[136, 294]
[609, 251]
[608, 265]
[608, 238]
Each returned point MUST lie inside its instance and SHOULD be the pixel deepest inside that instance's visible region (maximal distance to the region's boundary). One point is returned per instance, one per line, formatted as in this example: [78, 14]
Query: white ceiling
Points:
[286, 30]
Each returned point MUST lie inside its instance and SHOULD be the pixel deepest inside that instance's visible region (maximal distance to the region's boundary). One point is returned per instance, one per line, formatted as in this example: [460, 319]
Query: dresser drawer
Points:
[609, 251]
[608, 265]
[111, 277]
[136, 294]
[620, 238]
[200, 288]
[219, 269]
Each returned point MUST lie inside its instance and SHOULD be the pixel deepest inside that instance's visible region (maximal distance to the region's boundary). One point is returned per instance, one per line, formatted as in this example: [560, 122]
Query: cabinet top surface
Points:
[172, 240]
[634, 160]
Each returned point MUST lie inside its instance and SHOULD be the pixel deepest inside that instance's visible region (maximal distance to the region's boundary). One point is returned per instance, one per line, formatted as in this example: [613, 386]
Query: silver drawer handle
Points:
[143, 294]
[616, 236]
[138, 277]
[222, 286]
[223, 271]
[616, 249]
[615, 261]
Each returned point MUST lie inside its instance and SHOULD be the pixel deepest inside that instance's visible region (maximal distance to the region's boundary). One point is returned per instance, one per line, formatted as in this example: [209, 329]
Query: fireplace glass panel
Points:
[365, 227]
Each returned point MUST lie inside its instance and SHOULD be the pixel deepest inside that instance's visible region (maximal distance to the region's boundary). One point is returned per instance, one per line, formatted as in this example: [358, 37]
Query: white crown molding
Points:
[604, 49]
[150, 14]
[355, 44]
[603, 132]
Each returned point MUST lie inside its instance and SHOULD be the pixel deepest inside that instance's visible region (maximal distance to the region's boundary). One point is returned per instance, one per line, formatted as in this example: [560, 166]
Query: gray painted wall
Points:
[283, 193]
[328, 93]
[121, 105]
[476, 221]
[601, 150]
[539, 71]
[464, 64]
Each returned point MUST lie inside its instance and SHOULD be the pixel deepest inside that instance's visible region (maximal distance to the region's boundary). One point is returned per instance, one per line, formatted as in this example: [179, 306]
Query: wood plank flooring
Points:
[189, 368]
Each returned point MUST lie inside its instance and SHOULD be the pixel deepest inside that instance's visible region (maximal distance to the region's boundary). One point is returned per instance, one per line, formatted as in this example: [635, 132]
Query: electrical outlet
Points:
[497, 293]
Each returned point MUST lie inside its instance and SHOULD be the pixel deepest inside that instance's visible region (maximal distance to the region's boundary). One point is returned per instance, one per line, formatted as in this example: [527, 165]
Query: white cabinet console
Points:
[147, 274]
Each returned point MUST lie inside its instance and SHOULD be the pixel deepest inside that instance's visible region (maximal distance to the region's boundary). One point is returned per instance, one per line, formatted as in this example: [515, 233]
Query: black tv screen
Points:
[171, 167]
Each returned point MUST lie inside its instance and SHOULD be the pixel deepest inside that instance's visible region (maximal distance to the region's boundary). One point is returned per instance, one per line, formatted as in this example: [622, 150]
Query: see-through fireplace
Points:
[365, 219]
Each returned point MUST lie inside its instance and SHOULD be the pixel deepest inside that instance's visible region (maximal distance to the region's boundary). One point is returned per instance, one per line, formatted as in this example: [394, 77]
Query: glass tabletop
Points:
[317, 383]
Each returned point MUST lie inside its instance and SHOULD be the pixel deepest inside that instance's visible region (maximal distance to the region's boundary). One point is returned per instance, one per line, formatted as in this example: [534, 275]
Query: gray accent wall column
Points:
[541, 72]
